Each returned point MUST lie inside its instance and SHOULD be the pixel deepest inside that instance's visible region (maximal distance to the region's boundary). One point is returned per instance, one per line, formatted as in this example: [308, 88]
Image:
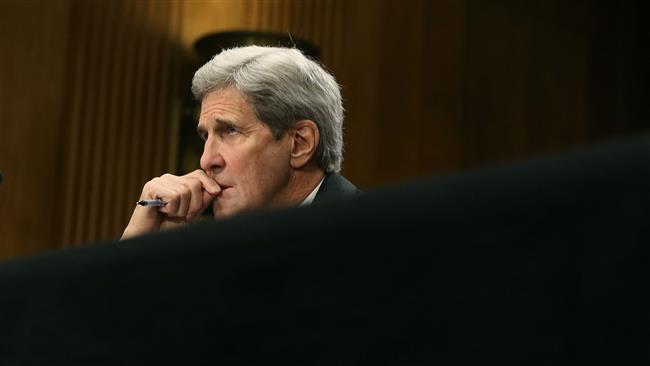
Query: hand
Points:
[186, 198]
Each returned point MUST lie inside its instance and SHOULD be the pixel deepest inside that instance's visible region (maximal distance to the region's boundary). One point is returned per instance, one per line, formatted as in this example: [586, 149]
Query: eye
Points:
[230, 130]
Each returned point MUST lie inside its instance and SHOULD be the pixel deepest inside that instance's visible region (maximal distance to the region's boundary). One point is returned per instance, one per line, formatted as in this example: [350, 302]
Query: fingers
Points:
[186, 196]
[174, 193]
[209, 184]
[196, 198]
[209, 190]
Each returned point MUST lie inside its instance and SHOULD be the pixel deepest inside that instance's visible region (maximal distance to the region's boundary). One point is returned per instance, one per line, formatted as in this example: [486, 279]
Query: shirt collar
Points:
[312, 195]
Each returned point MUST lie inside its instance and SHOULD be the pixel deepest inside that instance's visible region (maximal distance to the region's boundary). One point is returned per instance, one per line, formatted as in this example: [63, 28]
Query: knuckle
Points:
[150, 185]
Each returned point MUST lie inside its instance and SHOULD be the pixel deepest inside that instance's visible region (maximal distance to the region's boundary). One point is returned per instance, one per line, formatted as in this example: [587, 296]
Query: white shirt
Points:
[312, 195]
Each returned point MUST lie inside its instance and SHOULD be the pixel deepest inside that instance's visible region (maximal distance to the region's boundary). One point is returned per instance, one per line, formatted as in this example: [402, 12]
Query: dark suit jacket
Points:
[335, 186]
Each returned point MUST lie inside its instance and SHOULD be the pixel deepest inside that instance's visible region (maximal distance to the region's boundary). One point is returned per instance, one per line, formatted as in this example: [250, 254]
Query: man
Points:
[271, 121]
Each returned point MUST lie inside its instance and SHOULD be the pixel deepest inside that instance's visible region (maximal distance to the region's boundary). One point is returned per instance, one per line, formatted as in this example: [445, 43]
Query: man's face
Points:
[241, 154]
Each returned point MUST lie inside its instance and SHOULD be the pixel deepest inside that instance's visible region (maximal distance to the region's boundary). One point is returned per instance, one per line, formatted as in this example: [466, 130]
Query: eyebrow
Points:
[218, 121]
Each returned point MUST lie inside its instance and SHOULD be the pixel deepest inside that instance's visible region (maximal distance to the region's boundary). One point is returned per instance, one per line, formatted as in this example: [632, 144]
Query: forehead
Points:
[225, 103]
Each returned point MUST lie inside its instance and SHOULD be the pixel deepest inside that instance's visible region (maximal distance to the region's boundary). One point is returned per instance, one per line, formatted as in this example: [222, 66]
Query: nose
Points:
[211, 159]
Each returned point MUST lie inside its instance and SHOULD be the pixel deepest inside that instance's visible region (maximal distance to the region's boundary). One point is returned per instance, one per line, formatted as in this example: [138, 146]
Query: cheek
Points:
[248, 171]
[267, 174]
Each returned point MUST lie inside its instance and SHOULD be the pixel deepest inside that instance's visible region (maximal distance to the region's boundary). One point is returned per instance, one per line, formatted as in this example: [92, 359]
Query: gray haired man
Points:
[272, 125]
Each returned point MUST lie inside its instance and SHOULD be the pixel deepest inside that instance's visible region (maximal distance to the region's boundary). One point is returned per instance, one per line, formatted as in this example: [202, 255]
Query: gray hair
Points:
[283, 87]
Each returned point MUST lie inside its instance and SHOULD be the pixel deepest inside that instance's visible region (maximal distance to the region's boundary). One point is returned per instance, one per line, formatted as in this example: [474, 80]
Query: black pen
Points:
[156, 202]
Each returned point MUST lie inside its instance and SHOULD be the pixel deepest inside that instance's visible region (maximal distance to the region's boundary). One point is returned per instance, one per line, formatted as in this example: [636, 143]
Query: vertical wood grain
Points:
[124, 120]
[122, 100]
[115, 129]
[77, 72]
[33, 43]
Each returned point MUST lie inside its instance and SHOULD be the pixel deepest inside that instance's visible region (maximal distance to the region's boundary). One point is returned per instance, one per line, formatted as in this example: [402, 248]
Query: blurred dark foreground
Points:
[536, 263]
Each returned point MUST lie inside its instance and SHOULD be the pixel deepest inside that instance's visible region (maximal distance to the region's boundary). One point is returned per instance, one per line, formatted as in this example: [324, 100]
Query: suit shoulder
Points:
[335, 185]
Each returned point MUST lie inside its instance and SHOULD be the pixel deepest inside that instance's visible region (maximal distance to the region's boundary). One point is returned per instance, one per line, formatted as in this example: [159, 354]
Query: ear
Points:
[305, 141]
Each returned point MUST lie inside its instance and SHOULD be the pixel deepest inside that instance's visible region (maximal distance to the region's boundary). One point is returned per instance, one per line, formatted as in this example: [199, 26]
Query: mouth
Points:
[222, 185]
[224, 194]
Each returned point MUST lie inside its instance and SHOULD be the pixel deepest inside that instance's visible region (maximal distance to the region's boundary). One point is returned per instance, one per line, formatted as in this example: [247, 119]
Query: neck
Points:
[301, 183]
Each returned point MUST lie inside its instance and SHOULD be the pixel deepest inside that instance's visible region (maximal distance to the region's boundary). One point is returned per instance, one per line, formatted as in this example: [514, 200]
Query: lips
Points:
[223, 188]
[225, 191]
[222, 185]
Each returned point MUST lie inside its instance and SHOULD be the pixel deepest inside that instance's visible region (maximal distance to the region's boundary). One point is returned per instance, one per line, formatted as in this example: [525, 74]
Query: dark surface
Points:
[538, 263]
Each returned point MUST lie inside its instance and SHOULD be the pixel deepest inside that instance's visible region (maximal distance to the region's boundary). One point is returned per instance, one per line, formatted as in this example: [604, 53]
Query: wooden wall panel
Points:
[402, 75]
[200, 17]
[618, 66]
[120, 121]
[318, 21]
[526, 80]
[33, 43]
